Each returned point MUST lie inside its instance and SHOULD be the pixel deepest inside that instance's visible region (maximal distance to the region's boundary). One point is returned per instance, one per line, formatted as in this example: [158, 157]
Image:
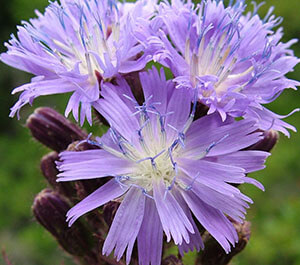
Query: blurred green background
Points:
[275, 215]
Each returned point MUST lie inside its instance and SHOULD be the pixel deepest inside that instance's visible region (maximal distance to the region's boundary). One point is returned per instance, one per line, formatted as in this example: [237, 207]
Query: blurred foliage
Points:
[275, 215]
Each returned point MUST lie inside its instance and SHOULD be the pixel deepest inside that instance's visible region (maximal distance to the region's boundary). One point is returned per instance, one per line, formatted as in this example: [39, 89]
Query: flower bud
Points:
[52, 129]
[214, 254]
[267, 143]
[81, 146]
[83, 188]
[49, 170]
[50, 209]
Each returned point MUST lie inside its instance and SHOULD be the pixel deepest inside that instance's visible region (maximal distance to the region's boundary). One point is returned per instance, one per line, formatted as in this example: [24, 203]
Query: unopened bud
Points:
[244, 232]
[267, 143]
[83, 188]
[214, 254]
[50, 209]
[52, 129]
[49, 170]
[86, 187]
[81, 146]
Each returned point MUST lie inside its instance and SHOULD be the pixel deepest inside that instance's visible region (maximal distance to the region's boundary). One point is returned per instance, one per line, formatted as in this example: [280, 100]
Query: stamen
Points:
[171, 157]
[118, 140]
[172, 184]
[151, 159]
[209, 148]
[147, 194]
[256, 7]
[119, 179]
[130, 98]
[144, 191]
[189, 187]
[141, 137]
[267, 50]
[272, 124]
[87, 140]
[269, 13]
[127, 149]
[213, 144]
[180, 139]
[192, 115]
[161, 125]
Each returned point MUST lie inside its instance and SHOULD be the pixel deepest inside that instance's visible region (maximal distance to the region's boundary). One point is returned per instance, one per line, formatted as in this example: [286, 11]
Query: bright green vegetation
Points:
[275, 215]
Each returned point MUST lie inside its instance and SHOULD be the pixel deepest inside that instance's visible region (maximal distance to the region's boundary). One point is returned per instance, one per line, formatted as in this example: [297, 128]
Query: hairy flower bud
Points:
[52, 129]
[49, 170]
[213, 254]
[50, 209]
[267, 143]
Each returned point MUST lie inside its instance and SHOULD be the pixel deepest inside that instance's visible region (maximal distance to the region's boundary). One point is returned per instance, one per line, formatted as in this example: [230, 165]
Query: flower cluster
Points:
[173, 171]
[74, 47]
[235, 62]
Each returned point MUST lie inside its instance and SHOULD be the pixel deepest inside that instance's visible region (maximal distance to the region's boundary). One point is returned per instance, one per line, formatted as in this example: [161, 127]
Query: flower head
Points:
[73, 47]
[164, 166]
[235, 60]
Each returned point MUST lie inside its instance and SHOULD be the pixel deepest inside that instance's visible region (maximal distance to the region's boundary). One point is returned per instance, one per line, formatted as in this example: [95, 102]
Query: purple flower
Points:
[163, 166]
[75, 46]
[236, 61]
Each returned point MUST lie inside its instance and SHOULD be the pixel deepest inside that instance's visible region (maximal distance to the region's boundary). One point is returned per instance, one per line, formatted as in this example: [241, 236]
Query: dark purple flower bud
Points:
[52, 129]
[267, 143]
[83, 188]
[50, 209]
[86, 187]
[81, 146]
[213, 254]
[244, 232]
[49, 170]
